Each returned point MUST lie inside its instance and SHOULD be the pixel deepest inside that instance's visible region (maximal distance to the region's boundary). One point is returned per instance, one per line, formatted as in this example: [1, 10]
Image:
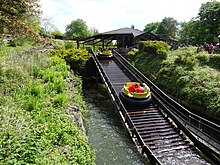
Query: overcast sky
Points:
[106, 15]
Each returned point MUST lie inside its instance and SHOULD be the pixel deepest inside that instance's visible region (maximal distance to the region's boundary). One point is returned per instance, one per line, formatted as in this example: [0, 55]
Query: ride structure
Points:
[162, 130]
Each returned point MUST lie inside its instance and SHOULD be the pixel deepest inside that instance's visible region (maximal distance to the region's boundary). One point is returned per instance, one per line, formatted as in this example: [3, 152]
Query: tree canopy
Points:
[205, 27]
[209, 16]
[77, 29]
[168, 28]
[152, 27]
[19, 17]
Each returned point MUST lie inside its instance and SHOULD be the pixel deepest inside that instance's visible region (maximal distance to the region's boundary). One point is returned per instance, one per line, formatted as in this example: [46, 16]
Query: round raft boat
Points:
[135, 97]
[104, 55]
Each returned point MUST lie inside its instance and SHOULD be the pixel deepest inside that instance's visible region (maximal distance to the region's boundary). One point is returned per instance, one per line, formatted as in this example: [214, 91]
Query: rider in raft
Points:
[137, 88]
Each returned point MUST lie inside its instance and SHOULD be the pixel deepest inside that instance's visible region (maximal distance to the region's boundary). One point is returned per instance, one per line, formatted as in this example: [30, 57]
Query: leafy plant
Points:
[36, 125]
[184, 74]
[76, 58]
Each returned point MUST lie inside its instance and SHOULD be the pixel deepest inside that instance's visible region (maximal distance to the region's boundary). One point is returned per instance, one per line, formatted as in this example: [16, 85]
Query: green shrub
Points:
[131, 55]
[69, 45]
[158, 48]
[187, 60]
[17, 42]
[58, 44]
[203, 57]
[76, 58]
[214, 61]
[185, 74]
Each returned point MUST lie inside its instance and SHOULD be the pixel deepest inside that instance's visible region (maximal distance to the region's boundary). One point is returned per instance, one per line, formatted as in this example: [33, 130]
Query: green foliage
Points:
[149, 56]
[158, 48]
[209, 16]
[186, 58]
[60, 100]
[189, 76]
[152, 27]
[168, 28]
[36, 126]
[212, 60]
[70, 45]
[77, 29]
[20, 19]
[192, 32]
[205, 27]
[76, 58]
[131, 54]
[56, 33]
[58, 44]
[17, 41]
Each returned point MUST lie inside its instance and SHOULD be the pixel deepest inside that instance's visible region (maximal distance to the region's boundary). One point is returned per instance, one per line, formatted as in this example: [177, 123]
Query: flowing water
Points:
[110, 139]
[106, 133]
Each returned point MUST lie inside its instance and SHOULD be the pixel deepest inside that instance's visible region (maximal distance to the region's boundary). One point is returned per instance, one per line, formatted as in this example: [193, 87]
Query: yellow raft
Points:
[134, 98]
[104, 54]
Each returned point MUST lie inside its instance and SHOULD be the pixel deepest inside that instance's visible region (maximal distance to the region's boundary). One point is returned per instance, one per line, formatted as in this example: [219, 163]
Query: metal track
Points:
[151, 128]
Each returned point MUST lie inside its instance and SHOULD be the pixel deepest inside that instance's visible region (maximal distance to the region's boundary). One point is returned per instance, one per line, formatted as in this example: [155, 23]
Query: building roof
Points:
[115, 34]
[125, 31]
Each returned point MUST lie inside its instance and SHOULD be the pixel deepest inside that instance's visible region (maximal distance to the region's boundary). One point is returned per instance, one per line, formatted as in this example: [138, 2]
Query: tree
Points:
[77, 29]
[94, 31]
[168, 28]
[191, 32]
[209, 15]
[152, 27]
[19, 17]
[47, 28]
[205, 27]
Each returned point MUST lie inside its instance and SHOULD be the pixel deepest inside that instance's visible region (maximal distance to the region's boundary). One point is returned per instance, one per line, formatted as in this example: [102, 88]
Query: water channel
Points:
[110, 139]
[106, 133]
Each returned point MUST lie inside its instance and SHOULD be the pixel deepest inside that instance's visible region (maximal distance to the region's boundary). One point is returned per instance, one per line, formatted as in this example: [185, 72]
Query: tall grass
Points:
[34, 96]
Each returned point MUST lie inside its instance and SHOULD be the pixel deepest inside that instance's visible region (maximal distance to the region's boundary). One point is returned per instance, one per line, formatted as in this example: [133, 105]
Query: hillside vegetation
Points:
[39, 96]
[190, 77]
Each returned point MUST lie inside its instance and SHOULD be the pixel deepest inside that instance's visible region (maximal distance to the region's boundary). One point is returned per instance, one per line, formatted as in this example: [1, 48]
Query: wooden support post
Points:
[103, 44]
[77, 42]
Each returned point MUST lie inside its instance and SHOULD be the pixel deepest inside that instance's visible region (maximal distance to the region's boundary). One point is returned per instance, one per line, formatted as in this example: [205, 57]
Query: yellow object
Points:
[105, 53]
[146, 94]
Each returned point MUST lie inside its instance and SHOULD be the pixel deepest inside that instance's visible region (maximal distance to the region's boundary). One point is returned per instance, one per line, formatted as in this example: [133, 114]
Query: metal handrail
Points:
[176, 109]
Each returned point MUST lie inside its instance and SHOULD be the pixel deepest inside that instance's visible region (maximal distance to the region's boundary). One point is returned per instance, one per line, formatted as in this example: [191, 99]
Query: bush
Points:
[58, 44]
[187, 75]
[76, 58]
[69, 45]
[131, 55]
[149, 56]
[158, 48]
[214, 61]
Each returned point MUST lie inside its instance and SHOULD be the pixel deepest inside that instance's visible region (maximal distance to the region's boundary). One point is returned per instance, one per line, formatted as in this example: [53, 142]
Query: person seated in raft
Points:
[141, 89]
[132, 88]
[145, 87]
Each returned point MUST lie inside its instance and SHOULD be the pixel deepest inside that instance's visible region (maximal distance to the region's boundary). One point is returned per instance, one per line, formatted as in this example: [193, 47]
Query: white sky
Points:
[106, 15]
